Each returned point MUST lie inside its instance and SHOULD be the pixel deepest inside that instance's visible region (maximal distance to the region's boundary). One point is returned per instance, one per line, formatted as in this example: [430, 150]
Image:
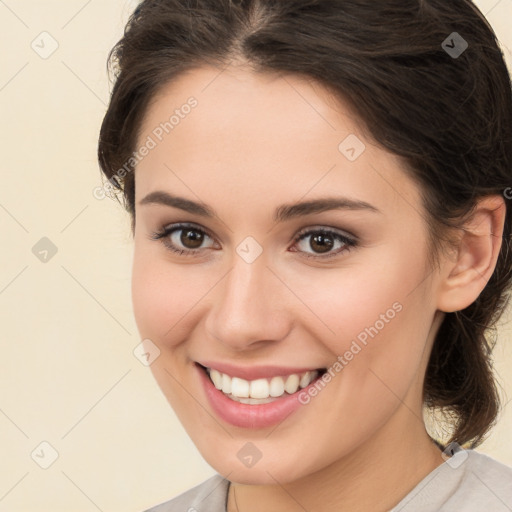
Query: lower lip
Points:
[250, 416]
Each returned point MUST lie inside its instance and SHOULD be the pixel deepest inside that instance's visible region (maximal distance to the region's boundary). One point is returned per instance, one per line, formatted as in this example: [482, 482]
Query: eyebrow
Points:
[281, 214]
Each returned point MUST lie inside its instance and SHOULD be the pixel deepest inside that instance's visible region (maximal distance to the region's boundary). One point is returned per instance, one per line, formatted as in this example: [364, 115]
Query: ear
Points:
[465, 276]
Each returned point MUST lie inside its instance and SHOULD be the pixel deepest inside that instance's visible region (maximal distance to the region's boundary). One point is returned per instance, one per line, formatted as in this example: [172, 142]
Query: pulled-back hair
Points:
[447, 114]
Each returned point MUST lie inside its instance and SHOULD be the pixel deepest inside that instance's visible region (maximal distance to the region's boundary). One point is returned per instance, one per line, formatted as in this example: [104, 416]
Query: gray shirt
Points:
[467, 482]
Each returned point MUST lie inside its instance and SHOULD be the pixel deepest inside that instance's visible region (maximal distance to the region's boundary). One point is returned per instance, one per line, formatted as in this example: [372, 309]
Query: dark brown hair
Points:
[448, 115]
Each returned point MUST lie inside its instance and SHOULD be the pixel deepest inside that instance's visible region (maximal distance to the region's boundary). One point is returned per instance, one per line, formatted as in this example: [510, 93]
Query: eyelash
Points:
[163, 235]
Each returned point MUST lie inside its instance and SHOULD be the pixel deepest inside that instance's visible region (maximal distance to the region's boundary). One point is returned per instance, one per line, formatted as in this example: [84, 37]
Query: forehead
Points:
[268, 134]
[260, 103]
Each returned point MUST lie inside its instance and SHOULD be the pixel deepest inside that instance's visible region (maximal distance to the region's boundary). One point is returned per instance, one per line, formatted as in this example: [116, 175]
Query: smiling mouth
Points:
[261, 391]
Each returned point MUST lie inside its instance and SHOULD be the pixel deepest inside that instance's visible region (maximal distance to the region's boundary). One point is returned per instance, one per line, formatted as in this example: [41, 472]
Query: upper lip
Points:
[255, 372]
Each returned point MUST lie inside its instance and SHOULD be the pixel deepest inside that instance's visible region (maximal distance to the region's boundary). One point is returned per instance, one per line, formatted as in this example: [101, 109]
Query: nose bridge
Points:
[247, 306]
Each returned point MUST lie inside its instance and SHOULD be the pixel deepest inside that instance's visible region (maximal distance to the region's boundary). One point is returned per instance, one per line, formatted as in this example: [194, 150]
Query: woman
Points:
[318, 195]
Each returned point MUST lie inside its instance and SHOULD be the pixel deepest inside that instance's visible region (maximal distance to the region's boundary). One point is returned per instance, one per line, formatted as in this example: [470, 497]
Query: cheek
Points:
[375, 315]
[162, 295]
[354, 302]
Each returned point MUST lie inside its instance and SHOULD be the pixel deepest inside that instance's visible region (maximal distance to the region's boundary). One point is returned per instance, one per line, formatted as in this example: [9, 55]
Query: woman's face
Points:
[268, 288]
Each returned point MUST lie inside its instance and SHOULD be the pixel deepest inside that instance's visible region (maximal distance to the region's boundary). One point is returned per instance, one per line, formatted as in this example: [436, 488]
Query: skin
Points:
[254, 142]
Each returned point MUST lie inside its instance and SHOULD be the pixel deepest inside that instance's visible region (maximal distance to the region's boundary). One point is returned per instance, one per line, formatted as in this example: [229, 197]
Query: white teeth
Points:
[216, 378]
[276, 386]
[226, 383]
[260, 390]
[305, 380]
[292, 383]
[239, 387]
[252, 401]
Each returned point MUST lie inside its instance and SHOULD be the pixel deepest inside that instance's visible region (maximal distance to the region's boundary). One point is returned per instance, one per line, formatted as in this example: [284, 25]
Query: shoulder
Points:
[209, 496]
[468, 481]
[488, 481]
[483, 483]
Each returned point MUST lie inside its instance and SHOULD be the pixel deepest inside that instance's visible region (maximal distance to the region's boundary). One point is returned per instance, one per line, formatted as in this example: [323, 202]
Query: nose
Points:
[250, 306]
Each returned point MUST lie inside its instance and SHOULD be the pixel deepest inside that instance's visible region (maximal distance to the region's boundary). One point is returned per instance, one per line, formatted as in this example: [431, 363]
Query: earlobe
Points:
[477, 252]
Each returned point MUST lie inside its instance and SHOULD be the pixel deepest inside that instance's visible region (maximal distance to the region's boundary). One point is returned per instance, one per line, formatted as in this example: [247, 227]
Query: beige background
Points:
[68, 374]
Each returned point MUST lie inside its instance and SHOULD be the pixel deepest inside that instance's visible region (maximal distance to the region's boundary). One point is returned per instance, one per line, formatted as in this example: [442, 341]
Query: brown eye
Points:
[322, 242]
[191, 238]
[183, 239]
